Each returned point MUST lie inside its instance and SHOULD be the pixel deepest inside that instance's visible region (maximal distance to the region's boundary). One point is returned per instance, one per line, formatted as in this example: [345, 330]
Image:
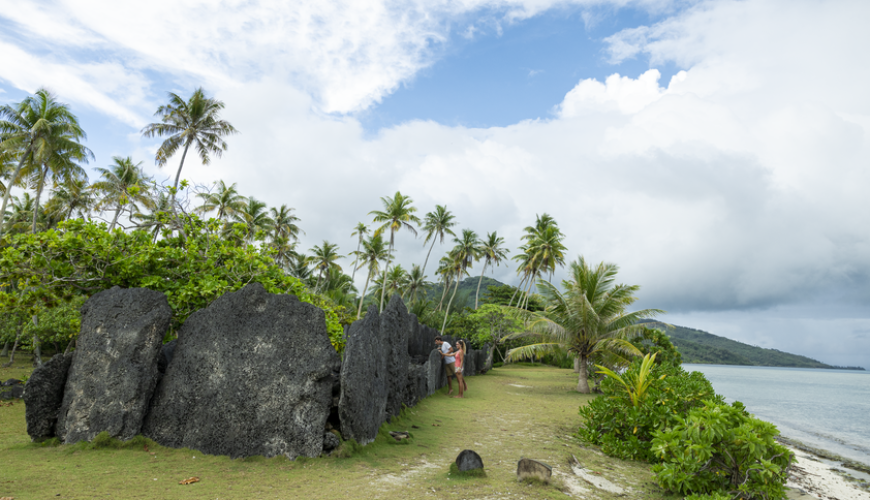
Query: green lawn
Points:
[512, 412]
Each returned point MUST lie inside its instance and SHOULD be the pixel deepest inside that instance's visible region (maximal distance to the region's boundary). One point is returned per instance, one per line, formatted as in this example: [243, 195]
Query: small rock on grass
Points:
[468, 460]
[533, 469]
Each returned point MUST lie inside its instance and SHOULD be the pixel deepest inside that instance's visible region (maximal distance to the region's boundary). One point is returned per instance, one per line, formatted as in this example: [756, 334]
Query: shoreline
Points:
[815, 475]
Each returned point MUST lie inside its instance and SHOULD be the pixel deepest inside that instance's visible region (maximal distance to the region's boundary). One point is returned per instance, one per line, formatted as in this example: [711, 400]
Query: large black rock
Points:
[44, 395]
[418, 383]
[364, 380]
[166, 353]
[252, 374]
[435, 378]
[114, 367]
[469, 365]
[394, 331]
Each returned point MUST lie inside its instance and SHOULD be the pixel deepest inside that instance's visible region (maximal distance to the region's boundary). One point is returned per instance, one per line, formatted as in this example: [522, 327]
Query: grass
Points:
[509, 413]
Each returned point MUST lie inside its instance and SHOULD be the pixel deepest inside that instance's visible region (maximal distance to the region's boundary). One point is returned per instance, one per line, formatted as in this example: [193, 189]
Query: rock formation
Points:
[364, 380]
[44, 395]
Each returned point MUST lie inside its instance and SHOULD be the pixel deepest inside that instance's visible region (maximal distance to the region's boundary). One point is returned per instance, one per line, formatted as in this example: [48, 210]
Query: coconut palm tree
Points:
[73, 195]
[338, 287]
[588, 320]
[123, 184]
[493, 252]
[283, 249]
[43, 134]
[360, 231]
[416, 284]
[225, 199]
[373, 252]
[463, 255]
[397, 213]
[195, 122]
[397, 280]
[284, 223]
[253, 216]
[324, 258]
[20, 214]
[158, 217]
[299, 266]
[437, 225]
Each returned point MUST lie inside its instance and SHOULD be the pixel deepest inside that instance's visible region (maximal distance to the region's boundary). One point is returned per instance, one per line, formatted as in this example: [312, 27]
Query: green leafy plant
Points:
[636, 383]
[722, 449]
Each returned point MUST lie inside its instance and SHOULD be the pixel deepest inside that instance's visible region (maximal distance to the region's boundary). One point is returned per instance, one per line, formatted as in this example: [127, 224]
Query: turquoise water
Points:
[826, 409]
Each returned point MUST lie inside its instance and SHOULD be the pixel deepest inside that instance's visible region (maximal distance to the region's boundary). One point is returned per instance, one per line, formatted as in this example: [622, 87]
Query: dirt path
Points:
[510, 413]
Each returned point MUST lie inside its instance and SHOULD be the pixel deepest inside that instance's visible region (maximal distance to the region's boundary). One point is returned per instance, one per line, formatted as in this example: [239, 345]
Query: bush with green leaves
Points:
[623, 424]
[721, 449]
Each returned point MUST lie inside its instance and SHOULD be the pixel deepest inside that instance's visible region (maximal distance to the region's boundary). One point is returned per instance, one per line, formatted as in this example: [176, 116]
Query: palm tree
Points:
[397, 213]
[195, 122]
[60, 166]
[338, 287]
[437, 225]
[158, 216]
[299, 266]
[225, 199]
[73, 195]
[416, 284]
[360, 231]
[39, 130]
[283, 249]
[324, 259]
[466, 251]
[589, 319]
[253, 216]
[18, 218]
[124, 184]
[493, 253]
[543, 251]
[373, 252]
[284, 223]
[397, 280]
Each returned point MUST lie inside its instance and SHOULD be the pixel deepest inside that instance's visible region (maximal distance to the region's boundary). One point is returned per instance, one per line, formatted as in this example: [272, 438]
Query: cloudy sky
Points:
[717, 151]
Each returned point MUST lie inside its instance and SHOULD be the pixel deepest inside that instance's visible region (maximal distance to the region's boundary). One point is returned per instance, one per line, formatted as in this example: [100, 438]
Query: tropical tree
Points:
[39, 130]
[283, 223]
[542, 252]
[373, 252]
[360, 231]
[324, 258]
[195, 122]
[19, 216]
[60, 166]
[437, 225]
[284, 250]
[588, 319]
[397, 213]
[253, 216]
[71, 196]
[416, 284]
[299, 266]
[397, 280]
[123, 184]
[158, 217]
[493, 252]
[225, 199]
[466, 251]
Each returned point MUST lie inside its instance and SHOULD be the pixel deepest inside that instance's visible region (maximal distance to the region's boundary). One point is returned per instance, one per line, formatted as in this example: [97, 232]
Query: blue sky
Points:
[724, 168]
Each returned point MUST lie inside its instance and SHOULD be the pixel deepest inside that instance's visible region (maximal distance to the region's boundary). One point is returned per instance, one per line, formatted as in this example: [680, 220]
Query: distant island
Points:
[700, 347]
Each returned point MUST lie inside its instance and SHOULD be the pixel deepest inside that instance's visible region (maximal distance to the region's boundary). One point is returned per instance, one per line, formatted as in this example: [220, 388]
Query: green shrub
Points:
[722, 449]
[625, 430]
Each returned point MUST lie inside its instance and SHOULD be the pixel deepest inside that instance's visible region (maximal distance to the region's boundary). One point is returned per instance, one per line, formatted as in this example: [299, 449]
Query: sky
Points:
[716, 151]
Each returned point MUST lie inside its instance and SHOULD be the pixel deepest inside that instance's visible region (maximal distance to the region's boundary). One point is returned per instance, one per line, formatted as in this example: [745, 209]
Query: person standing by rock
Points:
[449, 361]
[459, 354]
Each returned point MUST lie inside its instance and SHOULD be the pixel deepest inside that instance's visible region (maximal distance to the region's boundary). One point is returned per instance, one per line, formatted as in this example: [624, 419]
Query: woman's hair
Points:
[461, 344]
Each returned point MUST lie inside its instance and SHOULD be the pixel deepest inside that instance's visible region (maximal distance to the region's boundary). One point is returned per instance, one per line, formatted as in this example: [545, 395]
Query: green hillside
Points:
[700, 347]
[465, 293]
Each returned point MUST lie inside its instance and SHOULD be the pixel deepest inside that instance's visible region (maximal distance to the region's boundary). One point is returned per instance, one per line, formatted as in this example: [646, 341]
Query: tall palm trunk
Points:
[5, 351]
[447, 281]
[583, 382]
[529, 291]
[40, 184]
[363, 296]
[427, 256]
[178, 176]
[576, 365]
[477, 295]
[9, 187]
[447, 311]
[519, 286]
[387, 268]
[356, 260]
[115, 219]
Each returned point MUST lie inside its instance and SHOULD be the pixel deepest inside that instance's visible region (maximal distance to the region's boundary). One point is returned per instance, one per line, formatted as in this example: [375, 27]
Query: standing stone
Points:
[394, 331]
[487, 364]
[114, 367]
[418, 383]
[468, 460]
[533, 469]
[469, 365]
[252, 374]
[44, 395]
[363, 403]
[435, 376]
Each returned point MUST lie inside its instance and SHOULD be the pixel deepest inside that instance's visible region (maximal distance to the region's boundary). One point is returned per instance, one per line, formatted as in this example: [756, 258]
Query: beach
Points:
[813, 476]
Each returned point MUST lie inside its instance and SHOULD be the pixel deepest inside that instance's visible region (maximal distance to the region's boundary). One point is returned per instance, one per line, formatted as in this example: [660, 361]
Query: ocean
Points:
[825, 409]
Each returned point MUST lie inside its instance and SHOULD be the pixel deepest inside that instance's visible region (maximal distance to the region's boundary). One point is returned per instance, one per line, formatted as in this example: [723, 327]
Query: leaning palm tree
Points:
[466, 251]
[324, 258]
[195, 122]
[123, 185]
[373, 252]
[588, 320]
[493, 252]
[360, 231]
[284, 223]
[39, 130]
[437, 225]
[225, 199]
[397, 213]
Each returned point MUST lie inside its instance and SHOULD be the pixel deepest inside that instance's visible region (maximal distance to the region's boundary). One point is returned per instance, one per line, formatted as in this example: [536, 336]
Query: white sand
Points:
[816, 479]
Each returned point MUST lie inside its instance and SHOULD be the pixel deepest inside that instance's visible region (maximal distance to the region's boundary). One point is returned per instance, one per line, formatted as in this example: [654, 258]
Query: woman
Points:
[460, 362]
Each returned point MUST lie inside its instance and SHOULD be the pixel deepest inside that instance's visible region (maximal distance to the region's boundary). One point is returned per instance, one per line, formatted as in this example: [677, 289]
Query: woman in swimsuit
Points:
[460, 362]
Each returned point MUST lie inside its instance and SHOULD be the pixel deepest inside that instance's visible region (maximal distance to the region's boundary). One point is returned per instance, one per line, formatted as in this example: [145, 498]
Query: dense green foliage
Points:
[625, 430]
[719, 448]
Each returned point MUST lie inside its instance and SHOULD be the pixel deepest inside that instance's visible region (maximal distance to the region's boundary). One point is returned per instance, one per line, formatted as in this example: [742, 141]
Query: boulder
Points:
[435, 377]
[364, 380]
[533, 469]
[10, 382]
[14, 389]
[44, 396]
[469, 365]
[394, 332]
[417, 387]
[114, 368]
[468, 460]
[252, 374]
[165, 357]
